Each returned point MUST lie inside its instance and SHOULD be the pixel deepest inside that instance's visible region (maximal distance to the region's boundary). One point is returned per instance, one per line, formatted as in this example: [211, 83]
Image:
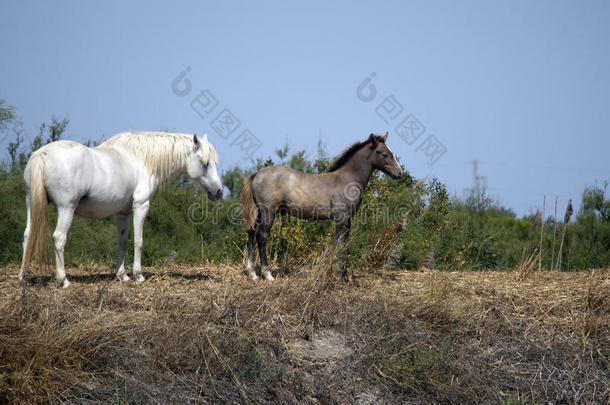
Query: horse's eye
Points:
[385, 155]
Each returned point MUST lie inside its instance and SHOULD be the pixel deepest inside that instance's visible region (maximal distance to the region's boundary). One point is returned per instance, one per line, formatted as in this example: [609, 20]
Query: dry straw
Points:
[554, 236]
[566, 219]
[524, 250]
[211, 335]
[541, 232]
[527, 266]
[377, 251]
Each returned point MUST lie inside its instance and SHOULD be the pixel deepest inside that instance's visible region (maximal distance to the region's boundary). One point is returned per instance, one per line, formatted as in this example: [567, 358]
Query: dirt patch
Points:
[325, 345]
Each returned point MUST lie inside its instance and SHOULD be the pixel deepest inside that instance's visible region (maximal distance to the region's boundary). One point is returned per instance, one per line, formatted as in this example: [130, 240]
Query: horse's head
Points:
[382, 157]
[201, 167]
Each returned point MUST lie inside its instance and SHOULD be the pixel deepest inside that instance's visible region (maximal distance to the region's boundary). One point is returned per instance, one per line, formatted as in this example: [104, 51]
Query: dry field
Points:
[210, 335]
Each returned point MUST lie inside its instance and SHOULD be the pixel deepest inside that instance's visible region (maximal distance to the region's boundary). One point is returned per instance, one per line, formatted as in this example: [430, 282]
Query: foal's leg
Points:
[64, 220]
[122, 222]
[342, 232]
[262, 235]
[251, 254]
[342, 229]
[139, 214]
[26, 235]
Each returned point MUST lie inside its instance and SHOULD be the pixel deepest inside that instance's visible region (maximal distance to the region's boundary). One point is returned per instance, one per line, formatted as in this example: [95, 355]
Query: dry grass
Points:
[527, 265]
[377, 252]
[205, 335]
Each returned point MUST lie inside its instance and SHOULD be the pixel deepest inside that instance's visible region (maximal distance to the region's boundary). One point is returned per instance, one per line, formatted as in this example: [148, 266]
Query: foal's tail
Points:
[249, 209]
[38, 214]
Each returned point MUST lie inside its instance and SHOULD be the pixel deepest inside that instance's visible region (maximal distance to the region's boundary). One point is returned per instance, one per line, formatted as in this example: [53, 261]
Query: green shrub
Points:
[418, 219]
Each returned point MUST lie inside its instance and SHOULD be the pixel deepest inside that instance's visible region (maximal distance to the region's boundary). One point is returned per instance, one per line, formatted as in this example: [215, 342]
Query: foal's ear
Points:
[385, 137]
[373, 141]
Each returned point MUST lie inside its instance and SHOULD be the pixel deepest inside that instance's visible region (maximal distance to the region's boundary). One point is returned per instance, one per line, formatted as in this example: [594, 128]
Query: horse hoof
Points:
[65, 284]
[253, 276]
[140, 278]
[268, 276]
[124, 278]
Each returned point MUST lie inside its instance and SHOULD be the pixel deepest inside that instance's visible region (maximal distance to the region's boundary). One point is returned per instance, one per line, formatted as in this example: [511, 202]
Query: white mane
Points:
[163, 153]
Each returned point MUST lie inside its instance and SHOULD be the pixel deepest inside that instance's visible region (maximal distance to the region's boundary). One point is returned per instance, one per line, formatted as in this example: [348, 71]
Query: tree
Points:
[13, 147]
[595, 203]
[54, 131]
[282, 152]
[234, 180]
[7, 115]
[323, 160]
[299, 161]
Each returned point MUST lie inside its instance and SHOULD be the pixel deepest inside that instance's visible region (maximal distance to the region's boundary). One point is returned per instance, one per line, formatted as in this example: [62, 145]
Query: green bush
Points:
[455, 234]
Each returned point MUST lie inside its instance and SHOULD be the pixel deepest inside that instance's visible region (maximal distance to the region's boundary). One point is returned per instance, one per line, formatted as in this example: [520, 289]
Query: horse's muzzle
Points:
[398, 175]
[215, 196]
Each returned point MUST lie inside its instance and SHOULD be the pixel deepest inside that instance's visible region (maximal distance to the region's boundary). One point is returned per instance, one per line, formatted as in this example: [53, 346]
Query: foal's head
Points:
[201, 167]
[382, 157]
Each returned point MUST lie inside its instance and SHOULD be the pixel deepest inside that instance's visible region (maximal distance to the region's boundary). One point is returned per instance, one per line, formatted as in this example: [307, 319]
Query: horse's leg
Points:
[342, 229]
[262, 234]
[139, 214]
[64, 221]
[122, 222]
[342, 232]
[251, 254]
[26, 235]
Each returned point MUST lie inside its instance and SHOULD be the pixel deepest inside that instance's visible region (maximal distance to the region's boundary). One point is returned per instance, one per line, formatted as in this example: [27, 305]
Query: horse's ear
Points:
[385, 137]
[196, 141]
[205, 138]
[373, 141]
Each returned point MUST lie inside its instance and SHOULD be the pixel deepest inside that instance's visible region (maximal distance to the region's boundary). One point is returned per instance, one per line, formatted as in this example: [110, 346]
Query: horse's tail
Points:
[249, 209]
[38, 215]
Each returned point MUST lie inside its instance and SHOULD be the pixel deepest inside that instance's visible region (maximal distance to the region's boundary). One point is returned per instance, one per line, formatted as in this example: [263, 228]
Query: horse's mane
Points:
[162, 153]
[348, 153]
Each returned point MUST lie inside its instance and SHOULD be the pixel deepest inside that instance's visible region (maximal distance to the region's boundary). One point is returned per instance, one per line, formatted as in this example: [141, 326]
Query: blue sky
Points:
[521, 86]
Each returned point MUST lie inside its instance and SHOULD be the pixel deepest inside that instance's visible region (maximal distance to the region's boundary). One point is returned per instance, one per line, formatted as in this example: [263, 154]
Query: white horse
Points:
[120, 177]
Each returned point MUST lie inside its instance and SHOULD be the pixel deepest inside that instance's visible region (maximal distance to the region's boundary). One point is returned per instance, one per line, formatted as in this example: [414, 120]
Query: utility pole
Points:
[475, 178]
[477, 187]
